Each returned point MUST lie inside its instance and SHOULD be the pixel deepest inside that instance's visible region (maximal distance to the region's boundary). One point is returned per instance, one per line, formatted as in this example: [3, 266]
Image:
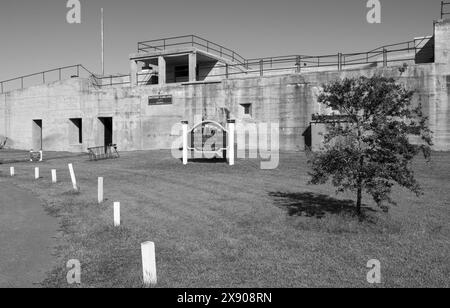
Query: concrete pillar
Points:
[193, 67]
[439, 106]
[162, 71]
[133, 73]
[442, 42]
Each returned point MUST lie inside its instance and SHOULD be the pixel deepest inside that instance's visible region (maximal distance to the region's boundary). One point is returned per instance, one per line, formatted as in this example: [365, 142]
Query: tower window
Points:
[181, 71]
[247, 109]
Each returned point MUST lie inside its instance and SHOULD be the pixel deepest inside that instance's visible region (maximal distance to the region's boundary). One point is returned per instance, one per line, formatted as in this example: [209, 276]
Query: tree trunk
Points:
[359, 201]
[360, 186]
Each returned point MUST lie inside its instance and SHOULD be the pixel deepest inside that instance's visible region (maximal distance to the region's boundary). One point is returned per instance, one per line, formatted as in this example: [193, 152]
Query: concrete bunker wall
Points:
[289, 100]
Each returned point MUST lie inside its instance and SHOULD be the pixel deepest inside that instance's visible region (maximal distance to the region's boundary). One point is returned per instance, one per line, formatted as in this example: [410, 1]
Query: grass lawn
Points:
[220, 226]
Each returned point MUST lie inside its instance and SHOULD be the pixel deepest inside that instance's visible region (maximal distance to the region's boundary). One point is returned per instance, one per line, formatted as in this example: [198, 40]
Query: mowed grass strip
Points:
[220, 226]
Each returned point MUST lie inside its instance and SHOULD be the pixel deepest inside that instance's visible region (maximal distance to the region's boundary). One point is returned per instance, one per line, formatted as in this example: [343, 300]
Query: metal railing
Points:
[112, 80]
[402, 52]
[44, 77]
[191, 41]
[444, 12]
[62, 73]
[384, 55]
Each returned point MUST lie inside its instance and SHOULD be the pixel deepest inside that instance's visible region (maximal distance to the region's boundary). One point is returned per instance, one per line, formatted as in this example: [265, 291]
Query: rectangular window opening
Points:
[181, 73]
[76, 131]
[37, 135]
[247, 109]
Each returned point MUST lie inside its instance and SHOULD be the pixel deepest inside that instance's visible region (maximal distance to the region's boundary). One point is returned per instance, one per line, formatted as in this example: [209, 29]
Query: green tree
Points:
[371, 149]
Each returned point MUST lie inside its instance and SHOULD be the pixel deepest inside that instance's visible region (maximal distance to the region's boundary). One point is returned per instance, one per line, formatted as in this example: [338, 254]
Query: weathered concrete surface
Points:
[442, 42]
[26, 239]
[288, 99]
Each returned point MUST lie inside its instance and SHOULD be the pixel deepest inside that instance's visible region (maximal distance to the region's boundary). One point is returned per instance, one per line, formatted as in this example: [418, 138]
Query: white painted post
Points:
[54, 179]
[72, 176]
[231, 132]
[100, 190]
[36, 173]
[149, 263]
[185, 142]
[42, 156]
[116, 214]
[12, 171]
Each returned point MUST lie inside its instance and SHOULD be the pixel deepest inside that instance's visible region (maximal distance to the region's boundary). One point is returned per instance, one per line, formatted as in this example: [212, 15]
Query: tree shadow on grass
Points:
[317, 205]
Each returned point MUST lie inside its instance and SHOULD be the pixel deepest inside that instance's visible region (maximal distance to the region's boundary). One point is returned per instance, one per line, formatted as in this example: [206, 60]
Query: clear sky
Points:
[35, 36]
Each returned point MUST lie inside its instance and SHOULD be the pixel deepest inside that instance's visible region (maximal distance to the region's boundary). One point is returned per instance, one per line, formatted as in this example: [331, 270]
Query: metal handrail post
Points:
[299, 64]
[339, 61]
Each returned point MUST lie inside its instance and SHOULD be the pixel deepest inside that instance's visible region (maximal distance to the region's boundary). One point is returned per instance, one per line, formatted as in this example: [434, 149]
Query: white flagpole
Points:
[103, 43]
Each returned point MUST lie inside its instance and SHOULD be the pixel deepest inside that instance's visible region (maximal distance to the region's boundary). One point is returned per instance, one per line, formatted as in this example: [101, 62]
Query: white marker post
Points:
[100, 190]
[72, 176]
[231, 132]
[36, 173]
[149, 263]
[54, 179]
[42, 156]
[12, 171]
[116, 214]
[185, 142]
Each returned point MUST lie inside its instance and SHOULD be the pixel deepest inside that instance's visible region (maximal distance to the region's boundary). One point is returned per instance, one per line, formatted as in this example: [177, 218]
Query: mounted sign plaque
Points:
[160, 100]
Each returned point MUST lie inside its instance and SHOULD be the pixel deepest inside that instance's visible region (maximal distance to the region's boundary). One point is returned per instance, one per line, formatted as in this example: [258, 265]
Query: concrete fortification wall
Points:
[289, 100]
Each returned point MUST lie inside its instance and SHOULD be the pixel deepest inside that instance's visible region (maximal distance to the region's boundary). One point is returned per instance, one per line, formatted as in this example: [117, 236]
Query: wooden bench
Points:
[103, 152]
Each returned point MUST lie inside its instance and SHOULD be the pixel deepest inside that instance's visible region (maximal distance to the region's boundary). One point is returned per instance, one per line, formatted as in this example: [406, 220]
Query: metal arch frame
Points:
[216, 124]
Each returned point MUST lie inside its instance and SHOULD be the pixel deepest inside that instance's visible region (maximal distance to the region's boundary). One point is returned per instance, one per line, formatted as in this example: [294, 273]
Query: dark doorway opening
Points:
[308, 138]
[107, 131]
[37, 135]
[76, 131]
